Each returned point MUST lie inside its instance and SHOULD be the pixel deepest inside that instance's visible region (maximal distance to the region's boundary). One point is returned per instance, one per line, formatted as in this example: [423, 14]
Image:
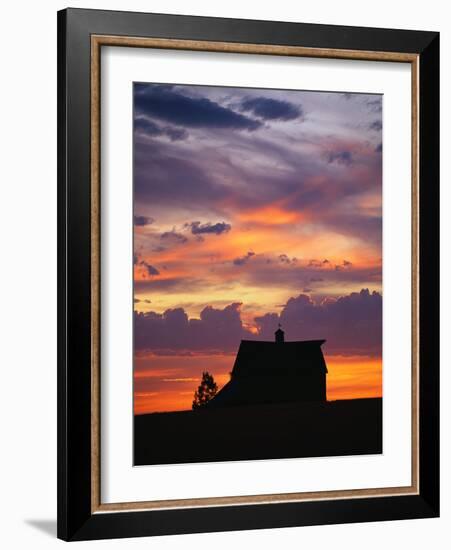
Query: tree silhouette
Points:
[205, 392]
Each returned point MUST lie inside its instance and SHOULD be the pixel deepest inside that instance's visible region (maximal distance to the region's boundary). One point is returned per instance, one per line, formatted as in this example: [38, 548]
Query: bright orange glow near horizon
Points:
[351, 377]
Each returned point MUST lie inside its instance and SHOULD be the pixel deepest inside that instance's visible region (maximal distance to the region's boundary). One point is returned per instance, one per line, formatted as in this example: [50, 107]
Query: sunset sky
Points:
[254, 207]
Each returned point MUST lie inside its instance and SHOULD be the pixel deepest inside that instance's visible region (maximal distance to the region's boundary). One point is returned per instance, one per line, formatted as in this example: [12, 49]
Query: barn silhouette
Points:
[275, 372]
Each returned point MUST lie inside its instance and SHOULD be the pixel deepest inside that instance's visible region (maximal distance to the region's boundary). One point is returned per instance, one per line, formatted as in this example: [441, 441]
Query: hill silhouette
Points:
[253, 432]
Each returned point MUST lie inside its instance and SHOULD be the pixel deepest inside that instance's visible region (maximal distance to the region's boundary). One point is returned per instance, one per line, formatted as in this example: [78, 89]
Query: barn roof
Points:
[258, 356]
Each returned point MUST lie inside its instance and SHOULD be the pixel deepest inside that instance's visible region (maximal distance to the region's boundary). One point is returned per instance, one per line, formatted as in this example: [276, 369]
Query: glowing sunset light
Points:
[271, 215]
[264, 208]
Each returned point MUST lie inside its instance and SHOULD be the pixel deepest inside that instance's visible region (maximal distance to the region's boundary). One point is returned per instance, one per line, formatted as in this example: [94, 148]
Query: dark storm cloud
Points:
[242, 260]
[340, 157]
[218, 228]
[142, 220]
[351, 325]
[171, 105]
[271, 109]
[150, 128]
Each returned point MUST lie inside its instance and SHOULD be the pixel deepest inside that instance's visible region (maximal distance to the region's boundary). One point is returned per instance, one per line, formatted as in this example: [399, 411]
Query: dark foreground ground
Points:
[336, 428]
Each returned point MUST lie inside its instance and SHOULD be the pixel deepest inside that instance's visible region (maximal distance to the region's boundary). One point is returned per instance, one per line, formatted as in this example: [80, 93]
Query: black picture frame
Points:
[76, 518]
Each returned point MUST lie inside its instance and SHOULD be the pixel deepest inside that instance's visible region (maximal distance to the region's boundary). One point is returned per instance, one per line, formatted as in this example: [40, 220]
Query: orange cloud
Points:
[271, 215]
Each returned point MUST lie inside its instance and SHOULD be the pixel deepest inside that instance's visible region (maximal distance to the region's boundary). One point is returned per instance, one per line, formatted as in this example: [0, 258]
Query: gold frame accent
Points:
[97, 41]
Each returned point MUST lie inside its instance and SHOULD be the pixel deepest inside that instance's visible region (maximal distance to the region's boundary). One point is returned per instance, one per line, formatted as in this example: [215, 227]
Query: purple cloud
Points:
[271, 109]
[351, 324]
[242, 260]
[142, 220]
[150, 128]
[376, 125]
[169, 103]
[340, 157]
[209, 228]
[150, 269]
[173, 238]
[216, 330]
[375, 105]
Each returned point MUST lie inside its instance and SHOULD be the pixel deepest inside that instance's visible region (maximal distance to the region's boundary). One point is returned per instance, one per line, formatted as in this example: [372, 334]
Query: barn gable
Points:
[275, 372]
[257, 358]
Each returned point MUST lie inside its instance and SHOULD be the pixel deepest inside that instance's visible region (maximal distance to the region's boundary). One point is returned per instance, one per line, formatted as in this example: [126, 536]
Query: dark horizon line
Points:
[303, 403]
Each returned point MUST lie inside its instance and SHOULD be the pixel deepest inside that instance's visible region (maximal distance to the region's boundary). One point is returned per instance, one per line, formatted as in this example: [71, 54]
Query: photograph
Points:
[257, 273]
[248, 273]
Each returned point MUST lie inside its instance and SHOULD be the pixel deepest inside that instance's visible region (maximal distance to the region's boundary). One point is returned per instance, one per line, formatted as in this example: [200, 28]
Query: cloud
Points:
[150, 128]
[351, 324]
[170, 104]
[378, 148]
[284, 259]
[243, 259]
[173, 238]
[274, 274]
[376, 125]
[164, 175]
[216, 169]
[208, 228]
[375, 105]
[142, 220]
[150, 269]
[171, 284]
[271, 109]
[341, 157]
[368, 228]
[216, 330]
[318, 264]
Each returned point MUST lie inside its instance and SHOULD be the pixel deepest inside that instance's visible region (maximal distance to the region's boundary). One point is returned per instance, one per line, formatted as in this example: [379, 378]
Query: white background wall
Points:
[28, 273]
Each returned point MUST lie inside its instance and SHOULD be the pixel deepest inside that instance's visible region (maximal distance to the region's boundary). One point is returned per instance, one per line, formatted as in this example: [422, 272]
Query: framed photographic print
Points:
[248, 274]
